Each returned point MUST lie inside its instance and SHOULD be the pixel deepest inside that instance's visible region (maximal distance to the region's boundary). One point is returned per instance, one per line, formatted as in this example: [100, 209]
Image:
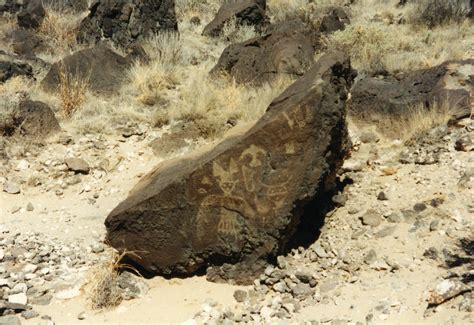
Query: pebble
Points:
[77, 165]
[240, 295]
[382, 196]
[30, 207]
[371, 218]
[11, 188]
[28, 314]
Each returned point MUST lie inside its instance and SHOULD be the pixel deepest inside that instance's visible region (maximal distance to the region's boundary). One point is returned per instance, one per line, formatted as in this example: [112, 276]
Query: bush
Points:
[72, 91]
[437, 12]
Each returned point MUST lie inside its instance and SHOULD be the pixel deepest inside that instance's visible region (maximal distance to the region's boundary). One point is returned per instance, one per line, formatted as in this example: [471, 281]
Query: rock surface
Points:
[287, 48]
[10, 69]
[28, 118]
[32, 15]
[242, 200]
[101, 67]
[126, 21]
[245, 12]
[447, 84]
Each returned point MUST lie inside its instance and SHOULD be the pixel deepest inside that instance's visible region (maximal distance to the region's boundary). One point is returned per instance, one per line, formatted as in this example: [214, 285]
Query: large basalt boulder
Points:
[245, 12]
[9, 69]
[449, 84]
[102, 68]
[27, 43]
[126, 21]
[28, 118]
[241, 201]
[288, 48]
[336, 19]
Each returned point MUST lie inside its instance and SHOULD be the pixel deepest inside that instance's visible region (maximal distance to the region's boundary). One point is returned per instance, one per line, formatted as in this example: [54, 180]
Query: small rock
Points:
[11, 188]
[97, 248]
[81, 316]
[19, 298]
[434, 225]
[28, 314]
[301, 290]
[369, 137]
[431, 253]
[371, 218]
[419, 207]
[370, 257]
[304, 277]
[388, 171]
[382, 196]
[10, 320]
[339, 200]
[240, 295]
[394, 218]
[30, 207]
[387, 231]
[77, 165]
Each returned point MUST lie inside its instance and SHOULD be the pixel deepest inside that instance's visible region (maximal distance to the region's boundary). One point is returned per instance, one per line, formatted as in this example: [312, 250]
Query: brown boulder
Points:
[450, 83]
[104, 70]
[245, 12]
[287, 48]
[242, 200]
[126, 21]
[336, 19]
[28, 118]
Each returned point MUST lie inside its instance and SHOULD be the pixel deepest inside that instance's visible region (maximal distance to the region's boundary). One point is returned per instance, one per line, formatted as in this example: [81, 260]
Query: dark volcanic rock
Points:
[12, 69]
[449, 83]
[245, 12]
[104, 69]
[288, 48]
[30, 118]
[126, 21]
[32, 15]
[241, 201]
[26, 42]
[335, 20]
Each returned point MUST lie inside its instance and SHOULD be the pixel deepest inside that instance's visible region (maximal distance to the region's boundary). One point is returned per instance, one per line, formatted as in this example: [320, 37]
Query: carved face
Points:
[226, 177]
[277, 194]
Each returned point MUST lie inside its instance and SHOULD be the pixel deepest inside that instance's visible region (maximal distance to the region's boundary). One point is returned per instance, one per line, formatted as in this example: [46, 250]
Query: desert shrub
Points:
[368, 46]
[59, 27]
[215, 105]
[437, 12]
[72, 91]
[151, 81]
[234, 33]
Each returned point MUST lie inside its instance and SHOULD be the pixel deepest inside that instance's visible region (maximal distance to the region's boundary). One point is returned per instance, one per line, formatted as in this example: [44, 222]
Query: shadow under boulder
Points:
[241, 202]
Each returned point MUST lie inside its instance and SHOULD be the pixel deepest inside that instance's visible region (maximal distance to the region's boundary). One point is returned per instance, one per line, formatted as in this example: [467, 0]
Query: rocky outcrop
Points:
[28, 118]
[104, 70]
[336, 19]
[126, 21]
[241, 201]
[26, 42]
[32, 15]
[245, 12]
[287, 48]
[449, 84]
[9, 69]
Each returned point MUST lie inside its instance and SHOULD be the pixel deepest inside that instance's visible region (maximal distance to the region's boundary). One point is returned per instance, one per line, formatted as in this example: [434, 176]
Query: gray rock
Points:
[370, 257]
[371, 218]
[28, 314]
[10, 320]
[281, 287]
[97, 248]
[19, 298]
[301, 290]
[240, 295]
[30, 207]
[77, 165]
[434, 225]
[304, 277]
[409, 215]
[11, 188]
[394, 218]
[387, 231]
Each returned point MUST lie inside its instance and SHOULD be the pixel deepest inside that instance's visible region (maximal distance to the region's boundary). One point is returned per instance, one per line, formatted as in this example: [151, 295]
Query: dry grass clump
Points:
[437, 12]
[307, 10]
[151, 82]
[204, 9]
[72, 91]
[102, 288]
[417, 120]
[59, 27]
[215, 105]
[377, 43]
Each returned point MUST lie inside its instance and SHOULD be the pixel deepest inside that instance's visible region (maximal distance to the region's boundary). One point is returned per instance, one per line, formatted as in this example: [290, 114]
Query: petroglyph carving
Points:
[300, 116]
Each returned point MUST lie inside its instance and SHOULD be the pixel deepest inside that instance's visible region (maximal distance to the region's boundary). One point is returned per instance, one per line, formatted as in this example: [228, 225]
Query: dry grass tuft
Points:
[59, 27]
[72, 91]
[417, 120]
[102, 288]
[433, 13]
